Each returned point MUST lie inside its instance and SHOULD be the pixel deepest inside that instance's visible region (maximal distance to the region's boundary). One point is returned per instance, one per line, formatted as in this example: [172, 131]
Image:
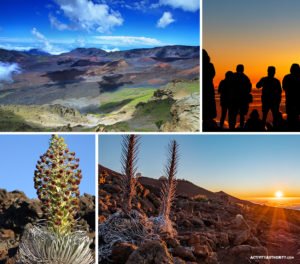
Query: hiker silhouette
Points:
[271, 94]
[241, 97]
[291, 86]
[226, 93]
[254, 123]
[208, 102]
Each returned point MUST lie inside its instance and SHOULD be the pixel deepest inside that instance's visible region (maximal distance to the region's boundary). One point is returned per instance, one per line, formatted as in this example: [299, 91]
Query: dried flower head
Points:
[57, 184]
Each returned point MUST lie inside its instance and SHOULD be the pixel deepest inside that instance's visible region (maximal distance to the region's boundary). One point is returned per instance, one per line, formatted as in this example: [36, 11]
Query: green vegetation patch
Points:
[185, 86]
[125, 97]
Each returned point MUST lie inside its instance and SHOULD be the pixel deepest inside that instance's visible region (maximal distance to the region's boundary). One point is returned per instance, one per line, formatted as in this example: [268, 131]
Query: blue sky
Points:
[60, 25]
[19, 155]
[244, 166]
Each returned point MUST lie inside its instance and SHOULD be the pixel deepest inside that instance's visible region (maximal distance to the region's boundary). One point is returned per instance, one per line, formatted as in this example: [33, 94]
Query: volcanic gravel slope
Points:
[212, 227]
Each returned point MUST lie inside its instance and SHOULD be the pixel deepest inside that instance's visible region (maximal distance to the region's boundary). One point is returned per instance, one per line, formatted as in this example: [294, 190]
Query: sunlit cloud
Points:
[186, 5]
[87, 15]
[165, 20]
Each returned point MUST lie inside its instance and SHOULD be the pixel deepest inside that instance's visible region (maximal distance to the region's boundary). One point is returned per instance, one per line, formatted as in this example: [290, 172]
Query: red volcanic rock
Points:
[17, 212]
[121, 252]
[151, 252]
[242, 254]
[201, 251]
[184, 253]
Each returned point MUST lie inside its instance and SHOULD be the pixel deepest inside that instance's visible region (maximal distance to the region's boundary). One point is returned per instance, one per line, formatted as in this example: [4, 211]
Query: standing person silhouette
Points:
[291, 86]
[241, 97]
[271, 94]
[208, 102]
[225, 91]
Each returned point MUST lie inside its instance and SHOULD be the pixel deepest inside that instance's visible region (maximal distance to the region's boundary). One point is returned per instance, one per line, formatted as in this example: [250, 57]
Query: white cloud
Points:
[126, 41]
[186, 5]
[47, 46]
[80, 42]
[7, 70]
[165, 20]
[8, 46]
[90, 16]
[109, 50]
[57, 24]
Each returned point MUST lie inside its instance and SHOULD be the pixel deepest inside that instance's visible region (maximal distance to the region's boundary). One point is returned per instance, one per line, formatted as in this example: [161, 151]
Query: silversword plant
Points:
[56, 179]
[162, 223]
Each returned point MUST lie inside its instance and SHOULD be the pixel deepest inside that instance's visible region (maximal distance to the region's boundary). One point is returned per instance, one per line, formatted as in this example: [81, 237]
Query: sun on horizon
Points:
[279, 194]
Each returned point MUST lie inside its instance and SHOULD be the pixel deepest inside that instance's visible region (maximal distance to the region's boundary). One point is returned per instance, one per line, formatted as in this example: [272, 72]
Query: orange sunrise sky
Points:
[255, 33]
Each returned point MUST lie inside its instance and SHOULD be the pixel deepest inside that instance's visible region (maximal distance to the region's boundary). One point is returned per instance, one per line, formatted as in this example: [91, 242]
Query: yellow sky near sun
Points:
[255, 58]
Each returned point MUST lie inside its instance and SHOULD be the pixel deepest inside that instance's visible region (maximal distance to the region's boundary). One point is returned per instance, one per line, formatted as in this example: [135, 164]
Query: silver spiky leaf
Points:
[133, 228]
[39, 245]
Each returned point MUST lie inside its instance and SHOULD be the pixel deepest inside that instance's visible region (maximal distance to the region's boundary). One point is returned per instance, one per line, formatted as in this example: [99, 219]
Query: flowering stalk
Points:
[168, 189]
[130, 148]
[57, 180]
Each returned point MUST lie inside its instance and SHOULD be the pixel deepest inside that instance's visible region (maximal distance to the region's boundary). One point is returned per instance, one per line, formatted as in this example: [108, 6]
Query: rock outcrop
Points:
[185, 115]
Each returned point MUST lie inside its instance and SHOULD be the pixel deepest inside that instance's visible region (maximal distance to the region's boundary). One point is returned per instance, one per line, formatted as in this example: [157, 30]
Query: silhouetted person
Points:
[208, 102]
[254, 123]
[225, 91]
[280, 124]
[291, 86]
[271, 94]
[241, 97]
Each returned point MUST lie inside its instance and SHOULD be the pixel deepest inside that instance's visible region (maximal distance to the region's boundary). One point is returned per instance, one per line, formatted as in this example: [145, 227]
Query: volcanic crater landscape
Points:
[89, 89]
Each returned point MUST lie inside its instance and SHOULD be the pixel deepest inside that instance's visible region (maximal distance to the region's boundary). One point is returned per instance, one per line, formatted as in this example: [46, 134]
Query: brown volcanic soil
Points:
[17, 212]
[212, 227]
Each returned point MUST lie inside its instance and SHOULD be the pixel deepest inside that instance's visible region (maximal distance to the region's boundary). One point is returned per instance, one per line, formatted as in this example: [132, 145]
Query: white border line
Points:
[201, 64]
[96, 198]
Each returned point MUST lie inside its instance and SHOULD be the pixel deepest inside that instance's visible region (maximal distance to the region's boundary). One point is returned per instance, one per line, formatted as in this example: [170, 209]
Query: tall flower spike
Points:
[56, 181]
[168, 189]
[129, 155]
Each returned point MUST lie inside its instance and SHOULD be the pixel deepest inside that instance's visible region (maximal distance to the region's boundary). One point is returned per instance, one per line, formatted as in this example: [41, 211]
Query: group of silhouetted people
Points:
[235, 97]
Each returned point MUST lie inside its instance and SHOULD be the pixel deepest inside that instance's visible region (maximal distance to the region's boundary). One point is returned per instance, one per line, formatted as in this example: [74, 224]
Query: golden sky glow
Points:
[255, 33]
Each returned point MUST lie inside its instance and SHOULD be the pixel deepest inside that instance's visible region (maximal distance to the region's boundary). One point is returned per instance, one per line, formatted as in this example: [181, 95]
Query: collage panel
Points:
[230, 199]
[47, 199]
[99, 66]
[251, 72]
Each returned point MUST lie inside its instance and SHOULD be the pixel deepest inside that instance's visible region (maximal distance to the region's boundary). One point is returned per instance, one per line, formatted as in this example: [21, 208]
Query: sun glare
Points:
[279, 194]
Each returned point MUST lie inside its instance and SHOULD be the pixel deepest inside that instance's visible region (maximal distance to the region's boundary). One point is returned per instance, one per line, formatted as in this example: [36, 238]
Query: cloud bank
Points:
[87, 15]
[121, 41]
[165, 20]
[186, 5]
[7, 70]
